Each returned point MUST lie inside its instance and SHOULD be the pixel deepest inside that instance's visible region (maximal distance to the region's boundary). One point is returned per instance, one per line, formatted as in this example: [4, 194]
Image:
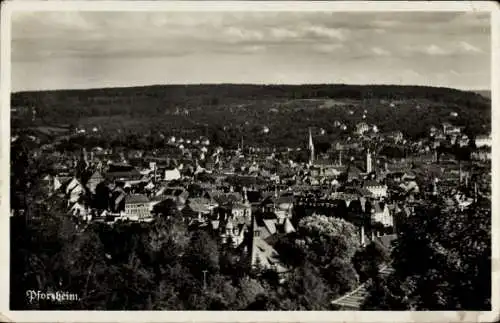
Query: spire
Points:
[84, 156]
[434, 187]
[311, 148]
[368, 161]
[245, 194]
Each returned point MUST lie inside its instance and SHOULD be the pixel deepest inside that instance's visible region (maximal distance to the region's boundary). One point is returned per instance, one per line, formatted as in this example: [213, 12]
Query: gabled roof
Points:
[266, 255]
[120, 197]
[96, 176]
[270, 225]
[136, 198]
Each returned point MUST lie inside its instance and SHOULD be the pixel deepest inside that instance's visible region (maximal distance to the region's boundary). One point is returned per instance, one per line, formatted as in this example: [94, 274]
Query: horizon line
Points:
[248, 84]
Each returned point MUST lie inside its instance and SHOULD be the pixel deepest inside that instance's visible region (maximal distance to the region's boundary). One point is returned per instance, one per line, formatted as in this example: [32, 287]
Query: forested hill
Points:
[206, 93]
[285, 109]
[485, 93]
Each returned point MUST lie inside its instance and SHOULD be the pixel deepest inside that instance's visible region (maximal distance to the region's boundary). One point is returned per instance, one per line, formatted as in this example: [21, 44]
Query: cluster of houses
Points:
[246, 198]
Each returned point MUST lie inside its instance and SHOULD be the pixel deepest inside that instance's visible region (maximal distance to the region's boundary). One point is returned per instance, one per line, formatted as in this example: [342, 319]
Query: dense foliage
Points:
[452, 268]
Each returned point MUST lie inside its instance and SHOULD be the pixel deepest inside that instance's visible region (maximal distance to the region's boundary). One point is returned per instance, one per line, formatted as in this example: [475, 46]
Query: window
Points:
[256, 233]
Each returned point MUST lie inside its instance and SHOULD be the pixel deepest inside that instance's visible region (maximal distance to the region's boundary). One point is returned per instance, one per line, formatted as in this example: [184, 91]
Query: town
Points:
[278, 157]
[251, 197]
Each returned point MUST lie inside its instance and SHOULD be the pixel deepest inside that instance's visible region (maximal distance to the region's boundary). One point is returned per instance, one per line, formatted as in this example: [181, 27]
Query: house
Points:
[410, 186]
[130, 177]
[376, 189]
[263, 256]
[482, 154]
[95, 179]
[483, 141]
[137, 208]
[238, 210]
[172, 174]
[396, 136]
[281, 206]
[52, 183]
[380, 213]
[233, 231]
[80, 210]
[361, 128]
[74, 190]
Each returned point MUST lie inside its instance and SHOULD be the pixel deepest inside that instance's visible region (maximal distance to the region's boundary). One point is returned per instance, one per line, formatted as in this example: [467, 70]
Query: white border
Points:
[171, 316]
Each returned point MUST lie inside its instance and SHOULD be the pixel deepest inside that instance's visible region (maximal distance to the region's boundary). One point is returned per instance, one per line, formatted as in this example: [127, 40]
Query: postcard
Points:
[249, 161]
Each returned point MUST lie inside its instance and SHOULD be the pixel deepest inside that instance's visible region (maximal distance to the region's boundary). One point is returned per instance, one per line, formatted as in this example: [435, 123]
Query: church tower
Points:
[311, 148]
[368, 162]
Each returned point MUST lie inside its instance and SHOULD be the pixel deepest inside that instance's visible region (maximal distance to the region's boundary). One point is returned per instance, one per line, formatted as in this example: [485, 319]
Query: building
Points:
[380, 213]
[137, 208]
[74, 190]
[95, 179]
[377, 189]
[482, 154]
[483, 141]
[361, 128]
[172, 174]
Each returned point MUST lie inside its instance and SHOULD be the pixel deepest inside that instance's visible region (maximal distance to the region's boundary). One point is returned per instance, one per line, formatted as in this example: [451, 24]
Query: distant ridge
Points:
[485, 93]
[225, 112]
[247, 85]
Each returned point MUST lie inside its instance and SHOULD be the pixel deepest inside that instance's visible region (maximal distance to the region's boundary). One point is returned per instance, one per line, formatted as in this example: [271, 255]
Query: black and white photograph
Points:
[257, 158]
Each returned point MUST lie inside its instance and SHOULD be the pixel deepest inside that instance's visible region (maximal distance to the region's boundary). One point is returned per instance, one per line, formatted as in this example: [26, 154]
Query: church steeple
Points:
[368, 161]
[311, 148]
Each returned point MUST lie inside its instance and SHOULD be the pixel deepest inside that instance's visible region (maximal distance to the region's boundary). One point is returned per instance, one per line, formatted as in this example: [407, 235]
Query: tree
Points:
[305, 290]
[451, 270]
[368, 260]
[202, 254]
[248, 291]
[324, 238]
[341, 276]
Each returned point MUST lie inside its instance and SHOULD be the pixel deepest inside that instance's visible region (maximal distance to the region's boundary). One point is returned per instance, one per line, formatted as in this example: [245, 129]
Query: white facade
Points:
[483, 141]
[383, 216]
[378, 190]
[172, 174]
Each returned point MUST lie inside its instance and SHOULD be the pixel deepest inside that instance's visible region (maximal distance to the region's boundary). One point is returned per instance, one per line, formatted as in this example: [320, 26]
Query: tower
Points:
[368, 162]
[85, 156]
[311, 148]
[435, 187]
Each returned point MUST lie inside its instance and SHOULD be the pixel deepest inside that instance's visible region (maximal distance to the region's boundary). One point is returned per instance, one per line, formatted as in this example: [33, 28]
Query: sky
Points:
[76, 49]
